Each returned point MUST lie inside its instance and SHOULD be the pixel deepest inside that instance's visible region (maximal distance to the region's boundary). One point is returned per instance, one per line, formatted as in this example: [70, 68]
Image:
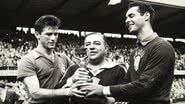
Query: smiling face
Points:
[96, 47]
[48, 37]
[134, 20]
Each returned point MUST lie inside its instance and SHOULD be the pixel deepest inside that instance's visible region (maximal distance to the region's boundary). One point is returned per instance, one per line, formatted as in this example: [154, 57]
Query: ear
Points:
[37, 35]
[147, 16]
[106, 49]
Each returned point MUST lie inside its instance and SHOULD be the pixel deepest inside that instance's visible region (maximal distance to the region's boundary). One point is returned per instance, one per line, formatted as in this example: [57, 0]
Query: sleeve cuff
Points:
[106, 91]
[69, 82]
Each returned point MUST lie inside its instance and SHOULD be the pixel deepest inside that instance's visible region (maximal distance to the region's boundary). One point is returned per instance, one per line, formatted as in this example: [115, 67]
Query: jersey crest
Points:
[137, 57]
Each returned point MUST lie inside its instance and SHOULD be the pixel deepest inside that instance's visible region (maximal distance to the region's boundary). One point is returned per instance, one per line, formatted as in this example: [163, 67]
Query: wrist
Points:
[106, 91]
[62, 92]
[68, 92]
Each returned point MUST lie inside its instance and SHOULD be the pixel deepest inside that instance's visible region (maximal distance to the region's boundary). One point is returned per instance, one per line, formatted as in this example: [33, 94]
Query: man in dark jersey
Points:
[42, 69]
[100, 69]
[151, 70]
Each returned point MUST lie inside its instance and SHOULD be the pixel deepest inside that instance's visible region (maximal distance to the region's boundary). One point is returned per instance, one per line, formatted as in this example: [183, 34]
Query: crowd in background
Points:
[14, 46]
[178, 89]
[9, 55]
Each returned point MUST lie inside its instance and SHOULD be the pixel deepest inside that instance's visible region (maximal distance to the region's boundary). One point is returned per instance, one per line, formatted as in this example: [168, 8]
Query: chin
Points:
[92, 57]
[133, 32]
[51, 47]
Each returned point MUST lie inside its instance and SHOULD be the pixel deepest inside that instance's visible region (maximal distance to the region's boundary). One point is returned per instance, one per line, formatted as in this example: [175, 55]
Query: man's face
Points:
[134, 20]
[48, 37]
[95, 46]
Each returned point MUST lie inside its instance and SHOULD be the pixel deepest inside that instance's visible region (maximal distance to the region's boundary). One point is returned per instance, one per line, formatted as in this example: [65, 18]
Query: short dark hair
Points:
[46, 20]
[143, 8]
[104, 38]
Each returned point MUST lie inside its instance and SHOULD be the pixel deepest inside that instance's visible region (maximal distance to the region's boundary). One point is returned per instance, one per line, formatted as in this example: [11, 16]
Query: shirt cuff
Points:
[69, 82]
[106, 91]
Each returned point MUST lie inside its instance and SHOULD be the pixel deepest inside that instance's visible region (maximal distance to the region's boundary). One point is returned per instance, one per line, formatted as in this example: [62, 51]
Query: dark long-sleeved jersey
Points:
[149, 76]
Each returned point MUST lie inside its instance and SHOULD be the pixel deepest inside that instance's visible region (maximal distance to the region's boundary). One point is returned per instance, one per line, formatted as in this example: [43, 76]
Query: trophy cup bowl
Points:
[80, 54]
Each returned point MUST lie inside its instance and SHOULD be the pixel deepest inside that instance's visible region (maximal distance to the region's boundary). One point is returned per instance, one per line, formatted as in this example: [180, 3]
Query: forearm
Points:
[140, 87]
[32, 84]
[50, 93]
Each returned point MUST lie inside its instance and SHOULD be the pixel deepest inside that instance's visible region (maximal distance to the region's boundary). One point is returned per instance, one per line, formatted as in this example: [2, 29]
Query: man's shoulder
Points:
[161, 43]
[26, 66]
[160, 40]
[29, 56]
[162, 47]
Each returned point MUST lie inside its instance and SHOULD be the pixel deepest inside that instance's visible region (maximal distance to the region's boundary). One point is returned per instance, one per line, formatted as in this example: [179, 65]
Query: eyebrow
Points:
[53, 32]
[96, 41]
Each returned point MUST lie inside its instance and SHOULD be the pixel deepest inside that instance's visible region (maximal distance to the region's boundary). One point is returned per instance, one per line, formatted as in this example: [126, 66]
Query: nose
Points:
[91, 47]
[127, 21]
[53, 37]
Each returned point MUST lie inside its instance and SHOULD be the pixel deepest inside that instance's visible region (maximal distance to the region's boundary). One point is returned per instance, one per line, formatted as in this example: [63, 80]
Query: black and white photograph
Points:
[92, 52]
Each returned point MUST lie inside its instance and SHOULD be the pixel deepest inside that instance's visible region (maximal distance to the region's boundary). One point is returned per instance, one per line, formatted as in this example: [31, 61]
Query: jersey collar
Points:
[148, 39]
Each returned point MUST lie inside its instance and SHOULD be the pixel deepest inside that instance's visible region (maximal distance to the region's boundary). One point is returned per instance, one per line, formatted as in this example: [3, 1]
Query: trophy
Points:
[81, 57]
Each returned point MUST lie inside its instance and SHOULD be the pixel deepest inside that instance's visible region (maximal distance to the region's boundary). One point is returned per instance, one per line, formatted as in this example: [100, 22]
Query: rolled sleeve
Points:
[26, 68]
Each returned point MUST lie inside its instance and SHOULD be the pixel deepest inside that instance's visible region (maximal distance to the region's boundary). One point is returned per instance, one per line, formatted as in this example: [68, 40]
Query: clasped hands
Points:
[83, 86]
